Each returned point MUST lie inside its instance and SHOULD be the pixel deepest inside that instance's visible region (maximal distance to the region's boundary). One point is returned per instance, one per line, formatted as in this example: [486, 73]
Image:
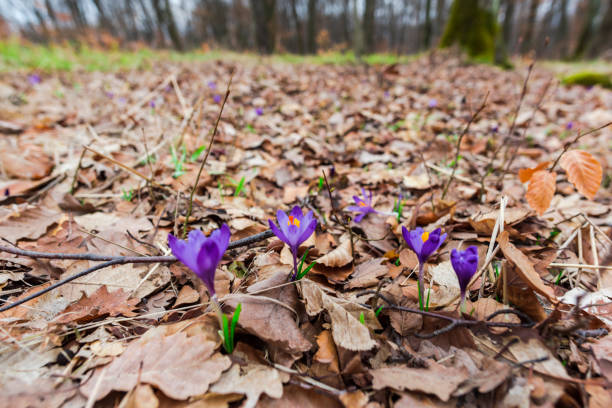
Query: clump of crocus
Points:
[465, 264]
[34, 79]
[293, 230]
[432, 103]
[217, 98]
[364, 205]
[569, 125]
[423, 244]
[202, 254]
[259, 111]
[212, 85]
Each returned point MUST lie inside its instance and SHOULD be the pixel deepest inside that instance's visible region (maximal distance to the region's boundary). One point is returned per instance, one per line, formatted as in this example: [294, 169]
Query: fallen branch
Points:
[109, 261]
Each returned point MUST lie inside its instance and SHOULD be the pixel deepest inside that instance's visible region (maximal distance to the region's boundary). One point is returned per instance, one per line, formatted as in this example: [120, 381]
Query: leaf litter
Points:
[533, 198]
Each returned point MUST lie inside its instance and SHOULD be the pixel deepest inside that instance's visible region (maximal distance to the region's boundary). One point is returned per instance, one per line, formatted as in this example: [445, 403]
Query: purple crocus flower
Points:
[259, 111]
[495, 128]
[465, 264]
[212, 85]
[423, 244]
[217, 98]
[432, 103]
[34, 79]
[202, 254]
[293, 230]
[152, 103]
[364, 206]
[569, 125]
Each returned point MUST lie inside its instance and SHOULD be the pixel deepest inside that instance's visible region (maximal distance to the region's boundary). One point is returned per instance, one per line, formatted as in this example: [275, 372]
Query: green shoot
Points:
[301, 273]
[178, 162]
[197, 153]
[127, 195]
[559, 276]
[362, 318]
[239, 187]
[321, 183]
[229, 329]
[250, 128]
[377, 312]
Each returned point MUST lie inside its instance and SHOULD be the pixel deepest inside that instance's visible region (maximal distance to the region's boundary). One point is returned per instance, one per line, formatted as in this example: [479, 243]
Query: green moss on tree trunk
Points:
[473, 27]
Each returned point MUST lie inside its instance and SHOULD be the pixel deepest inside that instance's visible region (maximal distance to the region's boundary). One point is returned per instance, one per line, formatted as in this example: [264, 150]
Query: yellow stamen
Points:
[294, 221]
[425, 236]
[362, 204]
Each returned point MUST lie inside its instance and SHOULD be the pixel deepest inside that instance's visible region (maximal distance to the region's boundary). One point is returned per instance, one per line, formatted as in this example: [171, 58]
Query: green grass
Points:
[16, 55]
[588, 78]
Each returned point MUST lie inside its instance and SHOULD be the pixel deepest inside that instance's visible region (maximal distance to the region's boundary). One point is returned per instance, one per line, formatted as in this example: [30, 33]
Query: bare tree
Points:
[264, 15]
[369, 25]
[312, 26]
[527, 43]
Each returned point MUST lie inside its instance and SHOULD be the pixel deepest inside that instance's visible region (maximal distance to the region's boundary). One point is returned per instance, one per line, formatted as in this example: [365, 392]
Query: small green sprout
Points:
[362, 318]
[321, 183]
[377, 312]
[239, 187]
[197, 153]
[229, 329]
[178, 162]
[301, 273]
[127, 195]
[559, 276]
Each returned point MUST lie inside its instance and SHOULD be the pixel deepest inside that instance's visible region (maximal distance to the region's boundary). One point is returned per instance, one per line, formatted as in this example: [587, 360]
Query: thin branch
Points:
[212, 140]
[109, 261]
[577, 138]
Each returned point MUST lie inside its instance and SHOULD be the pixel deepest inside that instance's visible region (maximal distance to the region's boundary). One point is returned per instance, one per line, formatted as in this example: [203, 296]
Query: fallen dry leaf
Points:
[327, 353]
[436, 379]
[178, 365]
[347, 330]
[252, 381]
[338, 257]
[100, 303]
[524, 267]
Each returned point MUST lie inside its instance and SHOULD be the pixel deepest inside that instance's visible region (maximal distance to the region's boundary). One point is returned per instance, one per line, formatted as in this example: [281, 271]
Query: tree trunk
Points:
[472, 26]
[562, 30]
[264, 14]
[172, 29]
[357, 33]
[368, 25]
[427, 26]
[605, 31]
[298, 27]
[584, 40]
[346, 22]
[507, 24]
[312, 29]
[440, 10]
[527, 43]
[104, 21]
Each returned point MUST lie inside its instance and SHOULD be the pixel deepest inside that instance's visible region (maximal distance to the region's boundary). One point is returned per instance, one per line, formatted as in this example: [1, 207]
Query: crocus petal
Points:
[432, 244]
[307, 231]
[414, 240]
[208, 259]
[221, 236]
[359, 217]
[354, 208]
[185, 253]
[283, 221]
[279, 234]
[296, 212]
[293, 235]
[465, 264]
[358, 200]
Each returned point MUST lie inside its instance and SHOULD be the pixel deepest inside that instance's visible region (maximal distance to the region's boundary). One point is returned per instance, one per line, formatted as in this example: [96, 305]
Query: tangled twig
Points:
[109, 260]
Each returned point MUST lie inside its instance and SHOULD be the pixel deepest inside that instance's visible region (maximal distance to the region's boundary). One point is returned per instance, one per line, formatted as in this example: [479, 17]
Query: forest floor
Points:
[445, 138]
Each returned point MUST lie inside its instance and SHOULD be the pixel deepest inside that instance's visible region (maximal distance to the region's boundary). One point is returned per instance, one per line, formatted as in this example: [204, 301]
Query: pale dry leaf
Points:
[142, 396]
[436, 379]
[100, 303]
[534, 349]
[178, 365]
[338, 257]
[583, 170]
[28, 223]
[252, 381]
[367, 274]
[541, 190]
[26, 161]
[295, 396]
[269, 320]
[186, 295]
[327, 353]
[485, 306]
[348, 332]
[524, 267]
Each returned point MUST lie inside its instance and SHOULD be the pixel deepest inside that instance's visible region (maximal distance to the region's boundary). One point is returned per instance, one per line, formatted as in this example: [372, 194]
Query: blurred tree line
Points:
[490, 28]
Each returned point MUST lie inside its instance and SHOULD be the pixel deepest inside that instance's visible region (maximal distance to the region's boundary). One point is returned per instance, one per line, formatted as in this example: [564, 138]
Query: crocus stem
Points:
[295, 271]
[215, 305]
[462, 304]
[421, 288]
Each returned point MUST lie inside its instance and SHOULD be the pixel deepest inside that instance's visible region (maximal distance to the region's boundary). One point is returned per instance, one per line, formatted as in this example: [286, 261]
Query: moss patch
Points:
[588, 78]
